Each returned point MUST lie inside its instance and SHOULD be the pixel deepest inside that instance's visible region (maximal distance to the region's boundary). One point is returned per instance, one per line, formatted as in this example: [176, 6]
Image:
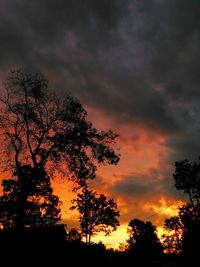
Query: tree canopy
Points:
[47, 131]
[41, 207]
[97, 213]
[183, 230]
[39, 125]
[187, 178]
[173, 236]
[74, 235]
[143, 239]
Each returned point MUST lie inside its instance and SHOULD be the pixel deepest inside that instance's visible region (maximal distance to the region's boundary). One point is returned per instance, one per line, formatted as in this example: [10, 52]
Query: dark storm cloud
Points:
[137, 60]
[147, 185]
[33, 28]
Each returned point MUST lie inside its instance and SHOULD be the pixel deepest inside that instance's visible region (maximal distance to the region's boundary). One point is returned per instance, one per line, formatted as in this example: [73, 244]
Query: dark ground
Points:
[48, 247]
[69, 254]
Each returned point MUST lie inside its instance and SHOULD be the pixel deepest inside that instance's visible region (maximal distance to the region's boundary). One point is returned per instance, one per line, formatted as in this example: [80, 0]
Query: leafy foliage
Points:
[181, 229]
[143, 239]
[40, 126]
[34, 193]
[173, 237]
[187, 178]
[74, 235]
[96, 213]
[42, 129]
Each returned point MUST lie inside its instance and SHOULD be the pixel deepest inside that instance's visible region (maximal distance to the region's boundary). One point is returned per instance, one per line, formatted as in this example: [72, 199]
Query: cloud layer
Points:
[134, 64]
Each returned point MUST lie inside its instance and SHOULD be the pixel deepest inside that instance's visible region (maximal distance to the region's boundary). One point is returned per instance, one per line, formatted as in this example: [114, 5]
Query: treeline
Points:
[182, 232]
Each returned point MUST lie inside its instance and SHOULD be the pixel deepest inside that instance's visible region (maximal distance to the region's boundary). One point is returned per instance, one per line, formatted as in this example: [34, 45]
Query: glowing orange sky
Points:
[142, 152]
[143, 160]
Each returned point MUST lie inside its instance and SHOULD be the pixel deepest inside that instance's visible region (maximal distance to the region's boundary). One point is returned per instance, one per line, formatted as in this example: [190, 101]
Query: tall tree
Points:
[41, 128]
[42, 208]
[182, 231]
[96, 213]
[143, 240]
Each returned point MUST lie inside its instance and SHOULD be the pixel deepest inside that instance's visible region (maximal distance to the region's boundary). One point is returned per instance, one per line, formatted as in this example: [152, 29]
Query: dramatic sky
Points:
[134, 65]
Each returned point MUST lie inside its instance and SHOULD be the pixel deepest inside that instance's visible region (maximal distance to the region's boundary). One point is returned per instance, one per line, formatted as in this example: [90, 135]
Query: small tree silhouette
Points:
[143, 240]
[96, 213]
[74, 235]
[173, 237]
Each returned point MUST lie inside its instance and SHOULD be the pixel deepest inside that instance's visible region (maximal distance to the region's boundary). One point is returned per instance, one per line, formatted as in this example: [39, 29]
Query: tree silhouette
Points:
[187, 178]
[74, 235]
[40, 128]
[183, 230]
[190, 217]
[143, 240]
[173, 237]
[96, 213]
[41, 207]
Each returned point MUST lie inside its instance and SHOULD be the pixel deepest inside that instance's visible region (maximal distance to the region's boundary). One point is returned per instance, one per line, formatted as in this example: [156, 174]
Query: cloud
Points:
[135, 63]
[137, 60]
[154, 183]
[137, 184]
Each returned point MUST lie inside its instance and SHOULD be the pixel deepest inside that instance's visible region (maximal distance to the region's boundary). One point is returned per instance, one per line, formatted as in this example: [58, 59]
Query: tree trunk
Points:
[86, 239]
[20, 223]
[24, 175]
[191, 200]
[89, 239]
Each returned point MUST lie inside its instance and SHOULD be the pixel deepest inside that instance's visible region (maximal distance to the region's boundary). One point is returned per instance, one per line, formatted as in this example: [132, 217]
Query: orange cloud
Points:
[164, 207]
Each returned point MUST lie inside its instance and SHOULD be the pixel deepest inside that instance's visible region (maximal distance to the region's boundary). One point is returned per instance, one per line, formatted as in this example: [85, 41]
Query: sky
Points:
[134, 65]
